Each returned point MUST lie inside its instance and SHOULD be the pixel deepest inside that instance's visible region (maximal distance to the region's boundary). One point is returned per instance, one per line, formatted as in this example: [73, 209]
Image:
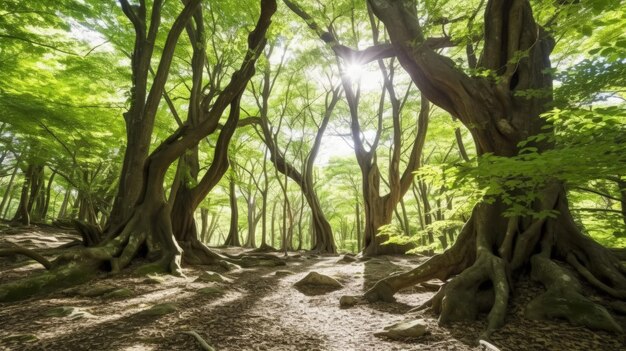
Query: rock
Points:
[122, 293]
[154, 279]
[160, 309]
[316, 279]
[282, 273]
[212, 277]
[406, 329]
[347, 258]
[348, 301]
[20, 338]
[67, 311]
[212, 290]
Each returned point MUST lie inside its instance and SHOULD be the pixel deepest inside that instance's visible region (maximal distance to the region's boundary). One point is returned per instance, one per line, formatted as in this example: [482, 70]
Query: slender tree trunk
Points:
[22, 215]
[6, 210]
[272, 232]
[359, 237]
[621, 184]
[66, 200]
[204, 220]
[252, 222]
[44, 210]
[233, 232]
[8, 191]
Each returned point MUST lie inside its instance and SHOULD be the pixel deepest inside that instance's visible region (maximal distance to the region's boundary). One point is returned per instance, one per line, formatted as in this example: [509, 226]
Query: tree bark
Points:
[8, 191]
[492, 246]
[144, 99]
[150, 225]
[233, 232]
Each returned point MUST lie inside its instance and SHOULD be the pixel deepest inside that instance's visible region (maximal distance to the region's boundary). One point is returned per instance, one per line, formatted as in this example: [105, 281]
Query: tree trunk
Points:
[204, 220]
[149, 227]
[144, 99]
[8, 191]
[491, 246]
[621, 184]
[253, 219]
[321, 227]
[22, 215]
[359, 237]
[66, 200]
[233, 232]
[46, 204]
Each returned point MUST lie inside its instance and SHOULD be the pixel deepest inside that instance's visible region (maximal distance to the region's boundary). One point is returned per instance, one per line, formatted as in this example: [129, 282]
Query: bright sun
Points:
[359, 74]
[354, 71]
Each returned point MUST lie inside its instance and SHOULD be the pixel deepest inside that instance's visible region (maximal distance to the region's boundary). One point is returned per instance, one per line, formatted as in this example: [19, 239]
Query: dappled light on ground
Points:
[259, 309]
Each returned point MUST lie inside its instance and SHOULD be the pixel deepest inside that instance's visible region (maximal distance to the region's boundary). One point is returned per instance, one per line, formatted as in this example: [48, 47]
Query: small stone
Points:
[212, 277]
[282, 273]
[406, 329]
[316, 279]
[347, 258]
[122, 293]
[160, 309]
[348, 301]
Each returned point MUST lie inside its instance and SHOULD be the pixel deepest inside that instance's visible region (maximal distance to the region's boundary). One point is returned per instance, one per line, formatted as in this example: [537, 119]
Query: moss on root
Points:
[64, 276]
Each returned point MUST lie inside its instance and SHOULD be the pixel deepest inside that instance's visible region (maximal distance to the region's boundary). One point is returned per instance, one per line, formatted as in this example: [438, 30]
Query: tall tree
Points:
[516, 52]
[150, 223]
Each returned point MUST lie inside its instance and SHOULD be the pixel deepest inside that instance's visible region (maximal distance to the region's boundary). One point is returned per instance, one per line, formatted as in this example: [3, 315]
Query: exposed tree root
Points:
[203, 344]
[481, 262]
[265, 248]
[442, 266]
[563, 298]
[58, 277]
[195, 252]
[28, 253]
[91, 234]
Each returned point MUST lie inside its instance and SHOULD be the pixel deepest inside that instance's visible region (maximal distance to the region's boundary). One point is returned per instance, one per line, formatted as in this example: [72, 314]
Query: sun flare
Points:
[359, 74]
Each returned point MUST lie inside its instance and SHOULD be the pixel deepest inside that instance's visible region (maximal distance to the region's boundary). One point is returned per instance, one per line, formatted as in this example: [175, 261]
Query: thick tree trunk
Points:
[149, 225]
[492, 249]
[144, 99]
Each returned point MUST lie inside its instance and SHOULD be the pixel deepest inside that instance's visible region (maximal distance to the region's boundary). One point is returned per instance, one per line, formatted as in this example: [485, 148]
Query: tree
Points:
[378, 207]
[150, 222]
[491, 246]
[324, 241]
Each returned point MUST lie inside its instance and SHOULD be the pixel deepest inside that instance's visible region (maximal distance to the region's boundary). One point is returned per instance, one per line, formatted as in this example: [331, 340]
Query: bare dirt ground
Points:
[258, 310]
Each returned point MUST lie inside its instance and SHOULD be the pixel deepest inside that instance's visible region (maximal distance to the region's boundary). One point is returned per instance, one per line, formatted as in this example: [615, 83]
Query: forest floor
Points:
[258, 309]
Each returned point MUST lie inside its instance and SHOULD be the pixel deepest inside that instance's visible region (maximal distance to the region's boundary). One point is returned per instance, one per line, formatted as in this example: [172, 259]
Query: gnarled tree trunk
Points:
[491, 246]
[149, 225]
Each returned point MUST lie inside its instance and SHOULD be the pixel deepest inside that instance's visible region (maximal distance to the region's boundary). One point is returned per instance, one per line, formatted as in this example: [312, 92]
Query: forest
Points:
[313, 175]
